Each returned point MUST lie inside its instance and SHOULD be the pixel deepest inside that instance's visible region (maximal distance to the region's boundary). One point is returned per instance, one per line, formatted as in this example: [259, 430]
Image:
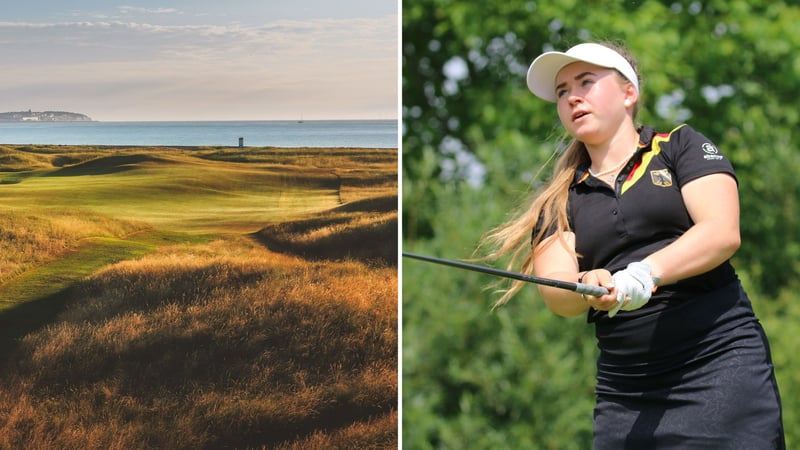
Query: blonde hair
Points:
[546, 211]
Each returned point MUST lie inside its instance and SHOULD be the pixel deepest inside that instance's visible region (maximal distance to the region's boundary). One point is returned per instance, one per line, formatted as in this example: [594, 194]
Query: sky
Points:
[131, 60]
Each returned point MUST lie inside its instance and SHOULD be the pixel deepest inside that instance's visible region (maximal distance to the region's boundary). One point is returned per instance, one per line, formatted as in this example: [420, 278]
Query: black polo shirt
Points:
[645, 212]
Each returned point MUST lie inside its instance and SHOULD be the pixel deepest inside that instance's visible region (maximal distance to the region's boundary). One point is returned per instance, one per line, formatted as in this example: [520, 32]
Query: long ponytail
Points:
[546, 211]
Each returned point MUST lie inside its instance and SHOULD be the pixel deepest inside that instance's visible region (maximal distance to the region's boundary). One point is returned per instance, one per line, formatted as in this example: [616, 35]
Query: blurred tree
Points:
[476, 141]
[727, 68]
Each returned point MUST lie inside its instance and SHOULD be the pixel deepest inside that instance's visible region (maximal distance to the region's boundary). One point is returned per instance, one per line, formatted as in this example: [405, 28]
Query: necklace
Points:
[612, 171]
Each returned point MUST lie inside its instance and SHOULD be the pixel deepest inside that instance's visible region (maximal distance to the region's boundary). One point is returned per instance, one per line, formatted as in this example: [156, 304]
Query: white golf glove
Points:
[635, 282]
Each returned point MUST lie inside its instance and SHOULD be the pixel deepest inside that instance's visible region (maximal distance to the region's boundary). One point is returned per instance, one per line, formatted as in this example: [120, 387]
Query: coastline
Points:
[43, 116]
[84, 147]
[289, 134]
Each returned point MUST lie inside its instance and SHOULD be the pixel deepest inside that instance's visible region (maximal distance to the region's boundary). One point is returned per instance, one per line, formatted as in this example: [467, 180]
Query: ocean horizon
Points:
[253, 133]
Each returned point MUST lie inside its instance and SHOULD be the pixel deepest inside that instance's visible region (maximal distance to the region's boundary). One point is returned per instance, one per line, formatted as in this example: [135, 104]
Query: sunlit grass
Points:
[29, 237]
[143, 310]
[58, 275]
[183, 195]
[349, 231]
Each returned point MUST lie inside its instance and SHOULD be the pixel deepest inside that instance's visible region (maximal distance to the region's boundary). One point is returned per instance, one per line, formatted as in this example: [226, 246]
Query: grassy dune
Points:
[341, 232]
[198, 298]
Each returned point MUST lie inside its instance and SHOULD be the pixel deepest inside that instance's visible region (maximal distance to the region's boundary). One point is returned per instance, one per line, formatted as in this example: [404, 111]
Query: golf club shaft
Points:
[580, 288]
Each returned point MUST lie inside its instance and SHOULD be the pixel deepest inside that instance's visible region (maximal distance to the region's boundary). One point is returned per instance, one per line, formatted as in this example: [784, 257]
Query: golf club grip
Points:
[590, 289]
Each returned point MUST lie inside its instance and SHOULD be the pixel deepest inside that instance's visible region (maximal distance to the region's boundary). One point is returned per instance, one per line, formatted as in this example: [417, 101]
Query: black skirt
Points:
[697, 374]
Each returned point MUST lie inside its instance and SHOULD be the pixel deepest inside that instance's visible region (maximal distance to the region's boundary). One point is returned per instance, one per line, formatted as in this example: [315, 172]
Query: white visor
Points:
[544, 69]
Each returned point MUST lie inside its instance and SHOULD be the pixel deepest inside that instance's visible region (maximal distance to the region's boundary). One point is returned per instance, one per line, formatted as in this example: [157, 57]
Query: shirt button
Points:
[614, 212]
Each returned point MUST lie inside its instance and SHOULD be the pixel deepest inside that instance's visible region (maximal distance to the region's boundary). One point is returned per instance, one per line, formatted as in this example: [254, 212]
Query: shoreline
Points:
[319, 134]
[199, 121]
[189, 147]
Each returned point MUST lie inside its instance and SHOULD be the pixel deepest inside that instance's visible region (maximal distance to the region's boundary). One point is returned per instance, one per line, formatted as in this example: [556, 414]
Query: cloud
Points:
[133, 9]
[339, 66]
[354, 37]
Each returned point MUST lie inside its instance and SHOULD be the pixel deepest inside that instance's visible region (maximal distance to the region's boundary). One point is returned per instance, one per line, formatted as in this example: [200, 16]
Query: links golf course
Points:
[212, 297]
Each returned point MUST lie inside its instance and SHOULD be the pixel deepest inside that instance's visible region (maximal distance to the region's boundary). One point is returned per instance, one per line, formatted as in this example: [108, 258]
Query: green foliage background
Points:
[518, 376]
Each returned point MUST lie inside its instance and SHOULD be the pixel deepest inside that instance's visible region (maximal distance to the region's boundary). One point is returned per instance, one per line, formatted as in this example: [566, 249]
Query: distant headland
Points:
[43, 116]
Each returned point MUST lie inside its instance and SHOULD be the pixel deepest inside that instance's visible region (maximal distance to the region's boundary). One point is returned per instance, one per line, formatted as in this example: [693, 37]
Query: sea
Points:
[308, 133]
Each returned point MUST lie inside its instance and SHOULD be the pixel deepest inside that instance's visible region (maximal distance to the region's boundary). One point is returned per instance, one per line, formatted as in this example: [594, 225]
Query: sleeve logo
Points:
[711, 152]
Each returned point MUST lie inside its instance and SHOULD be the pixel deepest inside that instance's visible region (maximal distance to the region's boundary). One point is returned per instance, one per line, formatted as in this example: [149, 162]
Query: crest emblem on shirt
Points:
[661, 178]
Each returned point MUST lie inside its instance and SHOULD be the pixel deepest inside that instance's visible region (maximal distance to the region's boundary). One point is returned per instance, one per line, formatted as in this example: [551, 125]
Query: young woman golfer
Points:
[653, 217]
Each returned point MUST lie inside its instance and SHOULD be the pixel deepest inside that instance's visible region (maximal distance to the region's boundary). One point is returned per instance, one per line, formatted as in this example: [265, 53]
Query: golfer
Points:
[653, 216]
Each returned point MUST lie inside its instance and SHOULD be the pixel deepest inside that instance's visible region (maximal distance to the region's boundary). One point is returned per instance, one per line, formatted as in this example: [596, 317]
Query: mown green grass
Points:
[91, 255]
[58, 275]
[179, 194]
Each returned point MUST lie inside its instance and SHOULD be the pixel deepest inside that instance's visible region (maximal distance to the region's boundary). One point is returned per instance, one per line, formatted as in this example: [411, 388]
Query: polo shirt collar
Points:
[646, 134]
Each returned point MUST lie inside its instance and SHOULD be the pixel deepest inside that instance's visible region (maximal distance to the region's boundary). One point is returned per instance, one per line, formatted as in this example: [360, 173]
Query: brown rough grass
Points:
[224, 346]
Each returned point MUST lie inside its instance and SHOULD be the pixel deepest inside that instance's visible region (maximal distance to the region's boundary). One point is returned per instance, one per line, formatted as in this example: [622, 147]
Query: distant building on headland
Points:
[43, 116]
